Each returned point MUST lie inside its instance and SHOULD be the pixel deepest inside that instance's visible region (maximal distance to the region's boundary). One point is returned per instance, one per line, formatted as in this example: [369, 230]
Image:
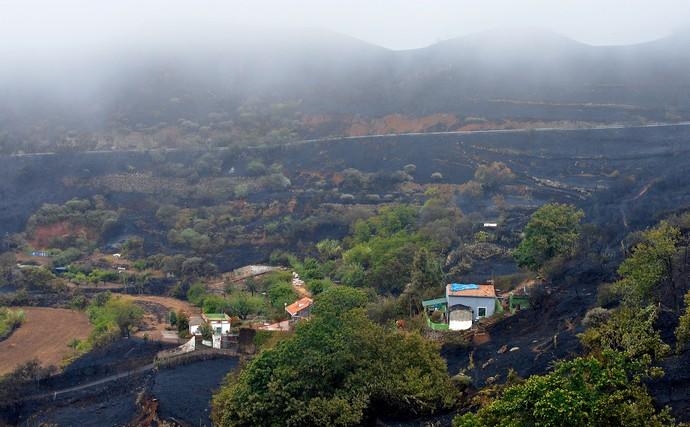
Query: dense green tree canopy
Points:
[629, 331]
[650, 265]
[336, 370]
[586, 391]
[551, 231]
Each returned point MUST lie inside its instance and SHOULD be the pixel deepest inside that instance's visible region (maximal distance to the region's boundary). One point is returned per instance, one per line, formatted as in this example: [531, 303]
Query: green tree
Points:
[683, 329]
[318, 286]
[242, 305]
[339, 299]
[629, 331]
[552, 231]
[206, 331]
[281, 295]
[328, 249]
[256, 167]
[182, 322]
[196, 294]
[362, 369]
[252, 285]
[493, 175]
[586, 391]
[426, 280]
[126, 314]
[650, 266]
[427, 273]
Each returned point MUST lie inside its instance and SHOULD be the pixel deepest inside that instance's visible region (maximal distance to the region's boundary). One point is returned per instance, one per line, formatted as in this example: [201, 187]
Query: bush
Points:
[172, 318]
[552, 231]
[182, 322]
[281, 295]
[196, 294]
[629, 331]
[318, 286]
[9, 321]
[256, 168]
[461, 381]
[595, 317]
[410, 168]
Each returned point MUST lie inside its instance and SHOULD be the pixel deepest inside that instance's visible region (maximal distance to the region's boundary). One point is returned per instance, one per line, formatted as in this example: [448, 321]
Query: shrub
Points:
[182, 322]
[410, 168]
[607, 296]
[595, 317]
[196, 294]
[629, 331]
[281, 295]
[9, 321]
[172, 318]
[318, 286]
[256, 168]
[683, 330]
[461, 381]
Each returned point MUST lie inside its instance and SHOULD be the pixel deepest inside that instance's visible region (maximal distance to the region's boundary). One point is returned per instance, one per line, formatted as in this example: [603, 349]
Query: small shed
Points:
[518, 299]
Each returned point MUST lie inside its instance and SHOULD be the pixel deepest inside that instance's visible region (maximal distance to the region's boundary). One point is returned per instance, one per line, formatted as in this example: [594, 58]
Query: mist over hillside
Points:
[325, 84]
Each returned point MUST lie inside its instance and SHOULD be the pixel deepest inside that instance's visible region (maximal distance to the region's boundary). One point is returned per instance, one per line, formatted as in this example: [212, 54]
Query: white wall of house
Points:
[459, 320]
[222, 326]
[475, 303]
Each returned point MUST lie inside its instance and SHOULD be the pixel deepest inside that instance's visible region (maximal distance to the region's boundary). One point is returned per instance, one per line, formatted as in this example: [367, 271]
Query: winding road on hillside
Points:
[89, 384]
[387, 135]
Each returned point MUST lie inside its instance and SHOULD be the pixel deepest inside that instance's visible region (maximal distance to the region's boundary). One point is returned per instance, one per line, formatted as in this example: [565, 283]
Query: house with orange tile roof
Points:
[464, 304]
[300, 308]
[468, 303]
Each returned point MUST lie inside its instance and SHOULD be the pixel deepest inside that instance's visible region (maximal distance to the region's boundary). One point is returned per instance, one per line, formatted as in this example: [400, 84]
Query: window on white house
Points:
[481, 311]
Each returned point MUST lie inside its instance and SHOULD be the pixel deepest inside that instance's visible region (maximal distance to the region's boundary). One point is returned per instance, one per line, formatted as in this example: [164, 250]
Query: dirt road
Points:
[44, 335]
[156, 311]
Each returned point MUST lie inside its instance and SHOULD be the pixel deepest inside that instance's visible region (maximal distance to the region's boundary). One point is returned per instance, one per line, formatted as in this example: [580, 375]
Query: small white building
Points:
[219, 322]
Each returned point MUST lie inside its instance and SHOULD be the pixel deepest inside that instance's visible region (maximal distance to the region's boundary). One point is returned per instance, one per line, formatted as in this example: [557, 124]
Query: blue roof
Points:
[457, 287]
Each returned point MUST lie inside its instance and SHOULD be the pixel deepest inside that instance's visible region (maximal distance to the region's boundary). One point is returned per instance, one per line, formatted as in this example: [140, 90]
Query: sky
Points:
[28, 25]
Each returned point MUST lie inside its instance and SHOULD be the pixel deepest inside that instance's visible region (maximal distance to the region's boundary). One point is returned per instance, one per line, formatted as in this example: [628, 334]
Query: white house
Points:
[219, 322]
[468, 303]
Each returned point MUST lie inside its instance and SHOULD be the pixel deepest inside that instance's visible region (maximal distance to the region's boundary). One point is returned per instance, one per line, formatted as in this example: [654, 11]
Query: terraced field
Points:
[44, 336]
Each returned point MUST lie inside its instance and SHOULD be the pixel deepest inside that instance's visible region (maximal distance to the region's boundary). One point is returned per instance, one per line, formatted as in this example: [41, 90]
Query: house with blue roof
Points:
[464, 304]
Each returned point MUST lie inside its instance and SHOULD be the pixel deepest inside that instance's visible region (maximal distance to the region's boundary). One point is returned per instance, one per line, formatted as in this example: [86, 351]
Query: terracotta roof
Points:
[299, 305]
[486, 290]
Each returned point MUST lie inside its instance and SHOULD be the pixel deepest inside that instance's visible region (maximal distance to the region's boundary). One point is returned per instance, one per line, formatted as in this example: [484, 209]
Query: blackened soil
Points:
[120, 356]
[184, 393]
[530, 334]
